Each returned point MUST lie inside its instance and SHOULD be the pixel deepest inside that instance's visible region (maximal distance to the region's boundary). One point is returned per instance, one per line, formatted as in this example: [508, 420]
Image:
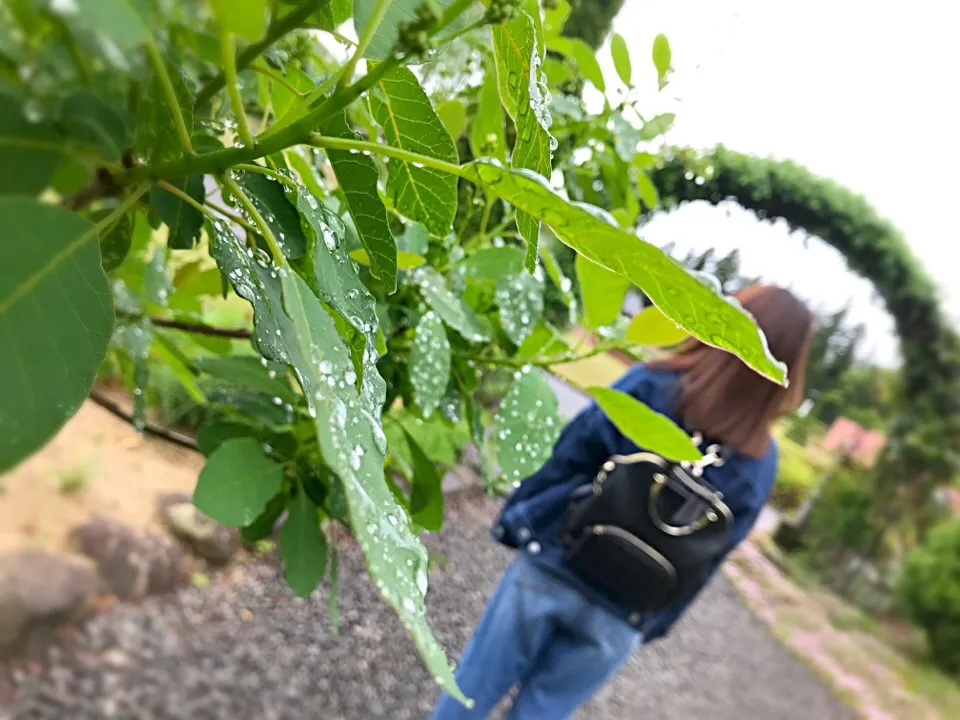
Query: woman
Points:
[553, 634]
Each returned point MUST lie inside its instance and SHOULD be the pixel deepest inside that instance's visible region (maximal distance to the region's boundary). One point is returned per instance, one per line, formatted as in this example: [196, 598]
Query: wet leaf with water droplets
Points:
[56, 317]
[424, 194]
[494, 263]
[156, 136]
[405, 260]
[651, 327]
[237, 482]
[520, 299]
[601, 292]
[527, 425]
[560, 281]
[348, 437]
[451, 309]
[429, 362]
[271, 201]
[302, 546]
[426, 496]
[647, 428]
[249, 373]
[519, 56]
[688, 302]
[357, 175]
[544, 341]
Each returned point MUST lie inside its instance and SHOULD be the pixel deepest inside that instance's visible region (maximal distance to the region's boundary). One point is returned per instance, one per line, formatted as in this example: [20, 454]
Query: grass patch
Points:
[73, 480]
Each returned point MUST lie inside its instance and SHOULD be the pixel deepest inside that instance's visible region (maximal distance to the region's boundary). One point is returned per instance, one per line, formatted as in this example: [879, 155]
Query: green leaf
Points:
[125, 22]
[561, 281]
[651, 327]
[342, 289]
[648, 429]
[246, 18]
[585, 57]
[307, 172]
[520, 299]
[212, 435]
[56, 318]
[166, 351]
[429, 362]
[592, 233]
[28, 151]
[451, 309]
[357, 175]
[303, 546]
[156, 136]
[621, 58]
[601, 291]
[405, 260]
[271, 201]
[424, 194]
[494, 263]
[115, 241]
[91, 121]
[250, 373]
[527, 425]
[237, 482]
[387, 25]
[426, 497]
[415, 240]
[487, 137]
[647, 191]
[545, 341]
[662, 57]
[263, 526]
[332, 14]
[192, 280]
[184, 220]
[657, 126]
[519, 57]
[453, 115]
[298, 331]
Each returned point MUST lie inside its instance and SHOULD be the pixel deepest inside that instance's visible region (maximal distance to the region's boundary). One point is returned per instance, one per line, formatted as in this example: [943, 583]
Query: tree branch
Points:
[149, 428]
[277, 30]
[190, 327]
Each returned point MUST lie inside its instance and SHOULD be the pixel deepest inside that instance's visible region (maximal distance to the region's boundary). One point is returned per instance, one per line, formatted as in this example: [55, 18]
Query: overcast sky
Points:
[863, 92]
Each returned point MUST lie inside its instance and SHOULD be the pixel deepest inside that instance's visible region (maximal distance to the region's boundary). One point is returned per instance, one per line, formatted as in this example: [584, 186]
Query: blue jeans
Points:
[540, 634]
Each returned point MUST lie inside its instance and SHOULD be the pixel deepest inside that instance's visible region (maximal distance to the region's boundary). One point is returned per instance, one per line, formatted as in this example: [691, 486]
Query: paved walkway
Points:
[247, 649]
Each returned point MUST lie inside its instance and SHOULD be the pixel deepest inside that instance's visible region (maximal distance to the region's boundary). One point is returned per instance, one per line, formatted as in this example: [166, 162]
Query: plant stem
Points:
[279, 177]
[278, 79]
[258, 220]
[485, 218]
[190, 327]
[228, 53]
[278, 28]
[231, 216]
[173, 190]
[166, 84]
[115, 215]
[369, 31]
[322, 141]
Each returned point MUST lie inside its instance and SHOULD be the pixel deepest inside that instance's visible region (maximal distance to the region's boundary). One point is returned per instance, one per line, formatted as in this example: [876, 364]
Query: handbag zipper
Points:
[637, 543]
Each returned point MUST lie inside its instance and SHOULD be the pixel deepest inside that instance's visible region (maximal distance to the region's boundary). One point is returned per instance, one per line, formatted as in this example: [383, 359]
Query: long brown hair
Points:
[722, 398]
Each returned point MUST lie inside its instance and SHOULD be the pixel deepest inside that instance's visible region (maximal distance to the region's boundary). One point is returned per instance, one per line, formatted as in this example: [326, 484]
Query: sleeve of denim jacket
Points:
[585, 443]
[745, 516]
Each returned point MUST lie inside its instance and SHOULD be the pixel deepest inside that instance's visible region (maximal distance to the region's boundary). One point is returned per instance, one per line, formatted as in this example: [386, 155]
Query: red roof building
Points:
[850, 440]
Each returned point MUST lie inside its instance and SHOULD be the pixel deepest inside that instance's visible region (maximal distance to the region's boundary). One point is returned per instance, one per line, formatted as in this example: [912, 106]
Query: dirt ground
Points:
[96, 465]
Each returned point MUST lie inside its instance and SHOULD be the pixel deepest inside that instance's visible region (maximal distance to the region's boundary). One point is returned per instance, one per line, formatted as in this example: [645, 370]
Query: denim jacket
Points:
[532, 518]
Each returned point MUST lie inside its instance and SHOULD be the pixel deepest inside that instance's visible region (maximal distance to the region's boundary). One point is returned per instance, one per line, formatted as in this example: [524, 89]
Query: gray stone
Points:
[39, 591]
[131, 564]
[208, 538]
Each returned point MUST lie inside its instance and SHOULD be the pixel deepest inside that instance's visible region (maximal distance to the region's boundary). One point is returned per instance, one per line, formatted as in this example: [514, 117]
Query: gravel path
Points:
[247, 649]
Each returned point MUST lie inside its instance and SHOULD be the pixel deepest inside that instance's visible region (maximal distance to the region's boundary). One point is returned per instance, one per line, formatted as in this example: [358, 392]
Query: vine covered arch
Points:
[926, 434]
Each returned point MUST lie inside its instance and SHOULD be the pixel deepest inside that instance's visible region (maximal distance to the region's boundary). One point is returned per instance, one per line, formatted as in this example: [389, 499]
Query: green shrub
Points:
[843, 522]
[796, 477]
[928, 592]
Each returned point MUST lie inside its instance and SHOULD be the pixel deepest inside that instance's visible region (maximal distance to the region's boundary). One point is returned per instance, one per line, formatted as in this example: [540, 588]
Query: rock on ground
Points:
[39, 591]
[248, 649]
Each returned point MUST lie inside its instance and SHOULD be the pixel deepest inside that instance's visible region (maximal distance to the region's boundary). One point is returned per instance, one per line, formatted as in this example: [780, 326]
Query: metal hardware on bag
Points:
[630, 539]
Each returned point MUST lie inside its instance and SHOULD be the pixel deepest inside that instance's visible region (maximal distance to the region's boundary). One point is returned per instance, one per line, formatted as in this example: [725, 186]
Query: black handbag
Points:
[646, 528]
